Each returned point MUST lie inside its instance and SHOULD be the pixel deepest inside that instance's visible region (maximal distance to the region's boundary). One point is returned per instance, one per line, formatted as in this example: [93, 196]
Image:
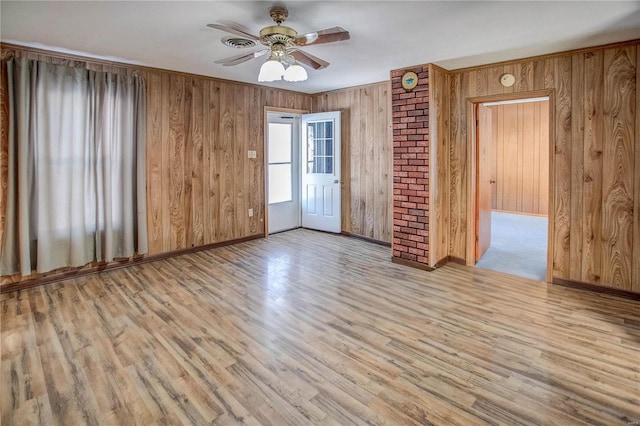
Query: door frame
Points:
[265, 160]
[472, 149]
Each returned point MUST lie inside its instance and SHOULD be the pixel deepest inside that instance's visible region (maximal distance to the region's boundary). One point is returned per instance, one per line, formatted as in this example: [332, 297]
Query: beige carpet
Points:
[518, 245]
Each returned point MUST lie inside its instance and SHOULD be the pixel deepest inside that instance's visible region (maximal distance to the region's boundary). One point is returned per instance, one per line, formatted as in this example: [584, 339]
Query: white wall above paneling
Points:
[385, 35]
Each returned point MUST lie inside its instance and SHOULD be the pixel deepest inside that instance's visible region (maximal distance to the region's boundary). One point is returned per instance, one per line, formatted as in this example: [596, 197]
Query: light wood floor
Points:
[311, 328]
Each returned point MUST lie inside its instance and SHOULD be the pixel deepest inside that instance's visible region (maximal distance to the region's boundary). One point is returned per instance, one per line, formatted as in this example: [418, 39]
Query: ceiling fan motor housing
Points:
[277, 34]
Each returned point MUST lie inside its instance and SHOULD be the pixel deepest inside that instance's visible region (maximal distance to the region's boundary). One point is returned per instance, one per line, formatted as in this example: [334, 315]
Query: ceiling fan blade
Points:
[325, 36]
[235, 60]
[310, 60]
[233, 28]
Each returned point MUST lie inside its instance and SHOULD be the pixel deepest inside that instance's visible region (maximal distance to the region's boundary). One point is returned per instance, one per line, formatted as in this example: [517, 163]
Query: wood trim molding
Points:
[412, 264]
[441, 262]
[596, 288]
[267, 110]
[367, 239]
[472, 103]
[512, 96]
[472, 142]
[78, 272]
[457, 260]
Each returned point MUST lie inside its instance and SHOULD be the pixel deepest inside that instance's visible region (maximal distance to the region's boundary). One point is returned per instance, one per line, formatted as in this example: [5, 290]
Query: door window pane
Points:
[280, 183]
[280, 157]
[320, 147]
[280, 142]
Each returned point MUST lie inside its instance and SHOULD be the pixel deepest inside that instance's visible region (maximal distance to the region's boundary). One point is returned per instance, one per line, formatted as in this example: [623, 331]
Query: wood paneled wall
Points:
[439, 170]
[367, 162]
[200, 183]
[520, 160]
[596, 174]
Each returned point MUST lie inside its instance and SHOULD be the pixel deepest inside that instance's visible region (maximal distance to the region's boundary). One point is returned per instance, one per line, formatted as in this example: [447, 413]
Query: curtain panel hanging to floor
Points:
[76, 167]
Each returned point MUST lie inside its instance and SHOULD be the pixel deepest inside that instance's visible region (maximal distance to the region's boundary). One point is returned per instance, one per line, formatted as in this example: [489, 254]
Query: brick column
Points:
[411, 169]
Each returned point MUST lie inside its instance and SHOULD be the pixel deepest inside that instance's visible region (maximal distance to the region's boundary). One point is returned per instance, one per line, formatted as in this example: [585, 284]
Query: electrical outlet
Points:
[251, 154]
[250, 212]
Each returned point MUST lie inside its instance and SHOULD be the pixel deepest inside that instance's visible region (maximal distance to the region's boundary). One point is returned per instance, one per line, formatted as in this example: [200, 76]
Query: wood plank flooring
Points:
[311, 328]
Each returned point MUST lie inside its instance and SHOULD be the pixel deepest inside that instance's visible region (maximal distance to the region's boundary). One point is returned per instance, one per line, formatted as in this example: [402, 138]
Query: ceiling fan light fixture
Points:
[283, 45]
[271, 70]
[295, 73]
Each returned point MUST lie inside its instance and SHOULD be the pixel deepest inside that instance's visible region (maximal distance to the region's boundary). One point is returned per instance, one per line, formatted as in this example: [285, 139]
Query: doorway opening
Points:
[303, 171]
[283, 171]
[512, 186]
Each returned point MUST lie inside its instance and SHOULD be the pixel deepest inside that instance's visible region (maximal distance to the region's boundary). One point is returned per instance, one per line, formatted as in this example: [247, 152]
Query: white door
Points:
[320, 198]
[283, 172]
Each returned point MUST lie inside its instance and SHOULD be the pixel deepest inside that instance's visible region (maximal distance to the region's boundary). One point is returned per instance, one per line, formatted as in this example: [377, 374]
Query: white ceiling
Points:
[385, 35]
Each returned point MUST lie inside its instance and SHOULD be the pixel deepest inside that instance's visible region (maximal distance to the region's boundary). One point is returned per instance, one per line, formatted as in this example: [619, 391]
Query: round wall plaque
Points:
[409, 80]
[507, 80]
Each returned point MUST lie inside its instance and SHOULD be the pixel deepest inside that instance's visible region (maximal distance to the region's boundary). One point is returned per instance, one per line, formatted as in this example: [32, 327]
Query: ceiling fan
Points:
[283, 45]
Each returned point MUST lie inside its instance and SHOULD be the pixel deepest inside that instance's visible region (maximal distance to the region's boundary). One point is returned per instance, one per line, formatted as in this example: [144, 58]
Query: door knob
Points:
[492, 181]
[336, 181]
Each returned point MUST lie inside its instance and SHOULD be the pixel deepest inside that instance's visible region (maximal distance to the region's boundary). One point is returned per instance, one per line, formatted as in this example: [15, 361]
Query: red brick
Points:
[401, 248]
[416, 251]
[409, 256]
[408, 205]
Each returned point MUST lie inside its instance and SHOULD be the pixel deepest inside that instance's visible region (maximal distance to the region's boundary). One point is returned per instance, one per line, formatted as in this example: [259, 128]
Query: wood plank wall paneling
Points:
[596, 183]
[367, 162]
[635, 279]
[200, 182]
[521, 157]
[4, 142]
[439, 164]
[592, 155]
[618, 157]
